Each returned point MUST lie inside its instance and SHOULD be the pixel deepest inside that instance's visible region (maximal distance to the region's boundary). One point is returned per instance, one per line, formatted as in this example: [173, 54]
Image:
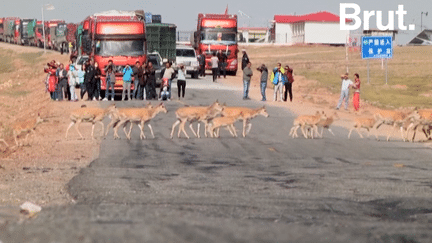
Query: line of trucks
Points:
[124, 37]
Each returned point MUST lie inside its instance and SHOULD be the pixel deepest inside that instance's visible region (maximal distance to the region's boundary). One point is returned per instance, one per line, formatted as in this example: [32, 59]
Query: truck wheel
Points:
[194, 75]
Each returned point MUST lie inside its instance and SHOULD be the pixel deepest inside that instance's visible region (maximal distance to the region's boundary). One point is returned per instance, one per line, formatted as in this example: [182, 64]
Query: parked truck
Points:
[113, 35]
[9, 29]
[217, 32]
[51, 35]
[39, 40]
[64, 33]
[27, 32]
[161, 38]
[1, 29]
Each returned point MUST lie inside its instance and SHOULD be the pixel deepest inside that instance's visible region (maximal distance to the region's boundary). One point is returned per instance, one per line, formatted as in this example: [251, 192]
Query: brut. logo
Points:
[367, 15]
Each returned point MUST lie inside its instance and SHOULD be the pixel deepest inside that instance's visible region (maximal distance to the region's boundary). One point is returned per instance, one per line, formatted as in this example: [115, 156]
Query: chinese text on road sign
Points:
[377, 47]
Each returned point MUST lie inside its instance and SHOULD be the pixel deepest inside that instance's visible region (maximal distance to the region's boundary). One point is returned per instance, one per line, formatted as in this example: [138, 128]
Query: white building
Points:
[315, 28]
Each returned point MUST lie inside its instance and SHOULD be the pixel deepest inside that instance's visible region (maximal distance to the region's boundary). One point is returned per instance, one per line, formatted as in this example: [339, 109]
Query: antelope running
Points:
[305, 121]
[193, 114]
[367, 123]
[26, 126]
[224, 121]
[247, 115]
[91, 115]
[327, 123]
[141, 116]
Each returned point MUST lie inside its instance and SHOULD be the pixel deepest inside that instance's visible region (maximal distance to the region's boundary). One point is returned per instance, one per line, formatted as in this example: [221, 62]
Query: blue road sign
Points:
[377, 47]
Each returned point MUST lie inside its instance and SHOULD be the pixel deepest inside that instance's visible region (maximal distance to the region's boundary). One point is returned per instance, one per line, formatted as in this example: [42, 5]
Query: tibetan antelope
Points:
[392, 118]
[26, 126]
[247, 115]
[141, 116]
[424, 123]
[193, 114]
[367, 123]
[91, 115]
[115, 118]
[327, 123]
[305, 122]
[225, 121]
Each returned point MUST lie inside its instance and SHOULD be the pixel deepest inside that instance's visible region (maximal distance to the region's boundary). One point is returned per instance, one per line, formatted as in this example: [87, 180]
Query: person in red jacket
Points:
[51, 80]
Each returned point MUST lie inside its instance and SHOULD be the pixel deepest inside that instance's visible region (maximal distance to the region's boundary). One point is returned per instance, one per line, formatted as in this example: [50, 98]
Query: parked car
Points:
[157, 61]
[186, 55]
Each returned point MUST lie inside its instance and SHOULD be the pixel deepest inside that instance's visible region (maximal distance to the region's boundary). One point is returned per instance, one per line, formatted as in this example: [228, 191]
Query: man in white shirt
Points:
[346, 84]
[215, 66]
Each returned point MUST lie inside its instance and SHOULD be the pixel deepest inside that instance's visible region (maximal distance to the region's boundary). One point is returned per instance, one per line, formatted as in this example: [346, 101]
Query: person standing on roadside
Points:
[215, 66]
[356, 96]
[278, 79]
[62, 83]
[245, 59]
[181, 81]
[81, 75]
[97, 80]
[110, 81]
[288, 83]
[51, 79]
[169, 73]
[247, 75]
[222, 63]
[346, 84]
[89, 80]
[138, 81]
[127, 79]
[202, 64]
[72, 74]
[264, 76]
[150, 74]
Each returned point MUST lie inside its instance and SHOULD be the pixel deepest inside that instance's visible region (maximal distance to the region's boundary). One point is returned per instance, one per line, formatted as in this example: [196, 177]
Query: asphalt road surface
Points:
[266, 187]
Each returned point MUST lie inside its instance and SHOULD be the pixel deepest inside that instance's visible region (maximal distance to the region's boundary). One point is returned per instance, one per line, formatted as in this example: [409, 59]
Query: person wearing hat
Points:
[51, 80]
[245, 59]
[346, 84]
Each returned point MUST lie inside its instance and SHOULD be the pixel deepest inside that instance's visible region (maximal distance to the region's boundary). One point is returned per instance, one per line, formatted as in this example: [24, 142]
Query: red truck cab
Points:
[114, 35]
[217, 32]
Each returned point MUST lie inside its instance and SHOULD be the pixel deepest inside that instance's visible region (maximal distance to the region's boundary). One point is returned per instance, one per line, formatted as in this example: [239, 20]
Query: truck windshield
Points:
[185, 53]
[120, 48]
[60, 30]
[219, 35]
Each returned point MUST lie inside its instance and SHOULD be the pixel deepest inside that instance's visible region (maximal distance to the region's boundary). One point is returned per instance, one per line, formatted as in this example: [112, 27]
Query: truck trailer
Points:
[9, 29]
[217, 32]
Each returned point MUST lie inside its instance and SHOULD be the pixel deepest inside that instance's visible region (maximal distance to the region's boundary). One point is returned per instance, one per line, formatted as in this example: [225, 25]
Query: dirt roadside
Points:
[39, 172]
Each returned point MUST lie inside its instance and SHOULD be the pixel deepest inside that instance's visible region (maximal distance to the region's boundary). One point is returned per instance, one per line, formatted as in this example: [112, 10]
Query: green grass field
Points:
[409, 72]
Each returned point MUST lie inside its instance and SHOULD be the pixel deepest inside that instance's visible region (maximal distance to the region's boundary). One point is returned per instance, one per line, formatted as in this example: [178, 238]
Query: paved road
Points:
[263, 188]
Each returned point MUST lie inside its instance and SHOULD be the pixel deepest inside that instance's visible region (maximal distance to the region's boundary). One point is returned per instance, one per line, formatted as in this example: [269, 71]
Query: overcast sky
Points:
[184, 13]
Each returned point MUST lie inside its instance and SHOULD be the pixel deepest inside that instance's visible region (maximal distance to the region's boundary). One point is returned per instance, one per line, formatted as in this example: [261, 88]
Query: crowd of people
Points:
[281, 78]
[61, 81]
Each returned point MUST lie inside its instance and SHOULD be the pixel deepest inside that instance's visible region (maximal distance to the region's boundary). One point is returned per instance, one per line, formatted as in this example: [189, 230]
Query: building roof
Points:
[424, 38]
[253, 28]
[323, 16]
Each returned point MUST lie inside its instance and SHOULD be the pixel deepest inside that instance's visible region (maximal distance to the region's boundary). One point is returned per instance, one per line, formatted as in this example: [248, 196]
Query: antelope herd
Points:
[216, 116]
[213, 117]
[405, 122]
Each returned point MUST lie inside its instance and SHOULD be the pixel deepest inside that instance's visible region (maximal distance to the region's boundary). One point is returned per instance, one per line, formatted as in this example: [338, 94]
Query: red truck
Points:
[217, 32]
[1, 29]
[114, 35]
[39, 40]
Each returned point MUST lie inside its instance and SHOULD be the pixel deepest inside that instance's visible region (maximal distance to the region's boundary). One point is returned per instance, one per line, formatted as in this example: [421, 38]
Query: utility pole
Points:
[421, 19]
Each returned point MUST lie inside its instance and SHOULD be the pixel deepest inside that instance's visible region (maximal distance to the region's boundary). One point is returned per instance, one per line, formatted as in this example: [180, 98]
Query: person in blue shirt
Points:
[127, 80]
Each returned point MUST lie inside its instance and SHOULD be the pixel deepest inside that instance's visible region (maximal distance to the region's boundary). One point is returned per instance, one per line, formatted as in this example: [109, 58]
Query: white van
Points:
[186, 55]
